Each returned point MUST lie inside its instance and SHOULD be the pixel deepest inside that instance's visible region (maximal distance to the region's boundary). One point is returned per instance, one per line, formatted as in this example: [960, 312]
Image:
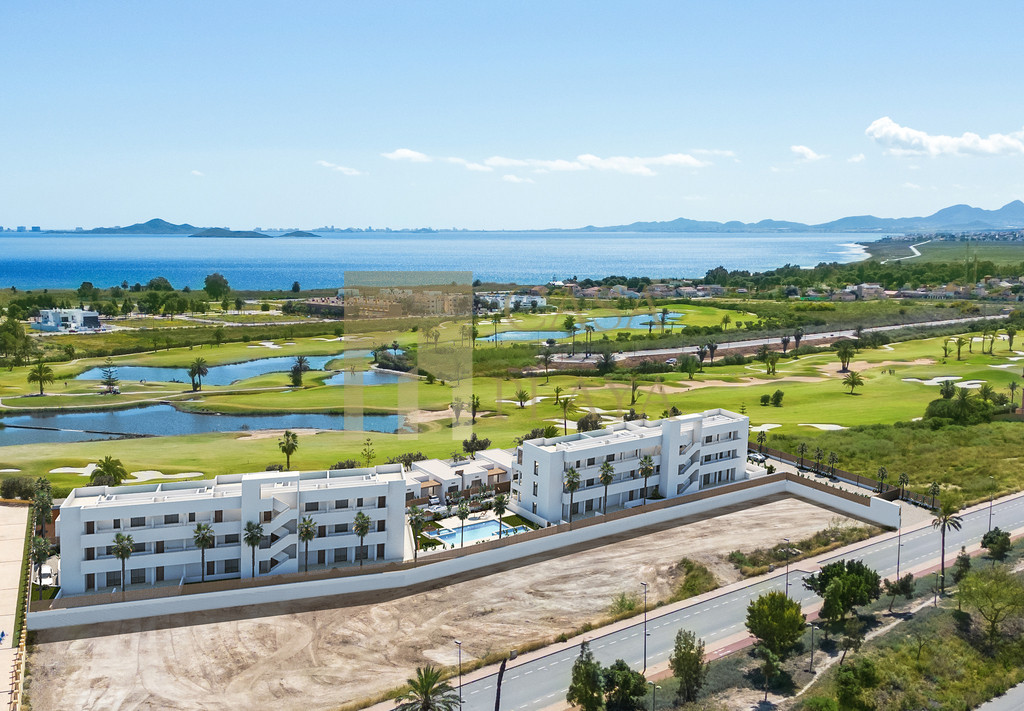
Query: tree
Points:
[40, 552]
[961, 566]
[569, 326]
[688, 666]
[585, 685]
[997, 543]
[558, 394]
[367, 451]
[943, 520]
[770, 667]
[521, 397]
[203, 537]
[252, 537]
[852, 380]
[288, 443]
[216, 286]
[776, 621]
[777, 398]
[590, 422]
[903, 482]
[771, 362]
[499, 506]
[845, 351]
[960, 342]
[702, 353]
[852, 639]
[883, 475]
[762, 437]
[624, 689]
[605, 362]
[567, 407]
[995, 593]
[462, 513]
[122, 550]
[712, 348]
[833, 459]
[307, 532]
[801, 449]
[572, 484]
[947, 389]
[1011, 333]
[545, 359]
[903, 586]
[111, 469]
[361, 527]
[40, 373]
[428, 692]
[197, 371]
[818, 454]
[933, 491]
[646, 469]
[109, 371]
[606, 477]
[300, 366]
[785, 344]
[295, 287]
[474, 444]
[474, 407]
[843, 585]
[1013, 390]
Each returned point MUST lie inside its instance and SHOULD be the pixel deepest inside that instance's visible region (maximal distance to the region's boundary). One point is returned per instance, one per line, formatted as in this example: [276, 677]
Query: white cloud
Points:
[198, 173]
[469, 165]
[911, 186]
[407, 154]
[806, 153]
[901, 141]
[714, 152]
[535, 163]
[344, 170]
[515, 179]
[859, 158]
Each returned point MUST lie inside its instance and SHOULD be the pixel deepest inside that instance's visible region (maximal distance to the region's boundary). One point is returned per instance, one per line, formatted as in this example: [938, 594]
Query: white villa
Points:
[690, 453]
[69, 320]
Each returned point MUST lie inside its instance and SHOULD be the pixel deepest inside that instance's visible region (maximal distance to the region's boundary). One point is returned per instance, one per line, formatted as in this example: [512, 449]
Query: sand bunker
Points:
[149, 474]
[266, 344]
[87, 470]
[826, 427]
[939, 380]
[764, 427]
[531, 401]
[267, 434]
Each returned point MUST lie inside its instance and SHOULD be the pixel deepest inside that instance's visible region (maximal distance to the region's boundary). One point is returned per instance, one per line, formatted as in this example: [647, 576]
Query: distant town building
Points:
[69, 320]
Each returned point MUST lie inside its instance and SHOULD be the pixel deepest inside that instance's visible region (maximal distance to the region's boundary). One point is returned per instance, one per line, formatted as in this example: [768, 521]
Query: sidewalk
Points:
[12, 544]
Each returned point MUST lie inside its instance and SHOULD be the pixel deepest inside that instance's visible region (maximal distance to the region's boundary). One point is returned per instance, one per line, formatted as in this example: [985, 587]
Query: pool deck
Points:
[453, 523]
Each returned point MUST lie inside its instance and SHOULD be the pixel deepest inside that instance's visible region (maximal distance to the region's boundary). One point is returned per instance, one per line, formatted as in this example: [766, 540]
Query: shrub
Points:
[275, 467]
[766, 400]
[17, 487]
[777, 398]
[624, 602]
[346, 464]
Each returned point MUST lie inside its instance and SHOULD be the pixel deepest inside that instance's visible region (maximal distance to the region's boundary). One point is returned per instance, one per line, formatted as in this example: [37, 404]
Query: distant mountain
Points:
[153, 227]
[223, 232]
[956, 218]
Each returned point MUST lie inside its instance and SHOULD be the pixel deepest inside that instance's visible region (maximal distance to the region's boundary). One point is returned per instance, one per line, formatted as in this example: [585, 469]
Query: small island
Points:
[224, 232]
[300, 233]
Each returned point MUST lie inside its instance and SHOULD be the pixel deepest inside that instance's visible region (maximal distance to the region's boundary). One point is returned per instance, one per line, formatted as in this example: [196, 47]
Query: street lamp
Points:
[645, 627]
[787, 566]
[654, 695]
[459, 645]
[991, 495]
[813, 627]
[501, 674]
[899, 542]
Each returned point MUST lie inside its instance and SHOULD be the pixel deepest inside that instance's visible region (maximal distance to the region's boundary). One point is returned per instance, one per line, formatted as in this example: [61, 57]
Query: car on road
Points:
[671, 361]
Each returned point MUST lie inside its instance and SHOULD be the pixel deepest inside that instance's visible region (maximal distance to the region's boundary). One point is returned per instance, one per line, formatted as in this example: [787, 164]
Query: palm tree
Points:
[853, 380]
[500, 506]
[416, 524]
[801, 449]
[702, 353]
[962, 404]
[646, 469]
[663, 318]
[203, 538]
[558, 394]
[252, 537]
[712, 347]
[474, 407]
[589, 329]
[762, 437]
[361, 527]
[111, 469]
[307, 532]
[1013, 390]
[960, 342]
[496, 319]
[785, 344]
[986, 391]
[567, 407]
[572, 483]
[933, 491]
[427, 692]
[904, 482]
[40, 373]
[833, 459]
[462, 513]
[40, 552]
[1011, 332]
[569, 326]
[288, 444]
[521, 397]
[545, 359]
[946, 518]
[197, 371]
[818, 454]
[607, 476]
[122, 550]
[844, 352]
[883, 474]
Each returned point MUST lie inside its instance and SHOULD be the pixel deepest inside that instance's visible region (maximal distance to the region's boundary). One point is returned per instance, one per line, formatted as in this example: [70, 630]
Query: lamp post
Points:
[501, 673]
[935, 601]
[645, 627]
[899, 542]
[991, 496]
[787, 566]
[654, 695]
[459, 645]
[813, 627]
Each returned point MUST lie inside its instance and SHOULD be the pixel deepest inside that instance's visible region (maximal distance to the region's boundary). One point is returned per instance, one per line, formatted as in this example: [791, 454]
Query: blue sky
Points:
[510, 115]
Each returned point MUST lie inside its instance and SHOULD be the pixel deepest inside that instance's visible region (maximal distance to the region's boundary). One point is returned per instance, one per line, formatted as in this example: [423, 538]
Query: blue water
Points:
[604, 323]
[66, 260]
[165, 420]
[365, 377]
[524, 336]
[218, 375]
[474, 532]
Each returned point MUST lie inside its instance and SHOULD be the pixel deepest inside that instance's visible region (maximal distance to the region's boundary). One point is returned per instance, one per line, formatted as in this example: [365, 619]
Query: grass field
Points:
[998, 252]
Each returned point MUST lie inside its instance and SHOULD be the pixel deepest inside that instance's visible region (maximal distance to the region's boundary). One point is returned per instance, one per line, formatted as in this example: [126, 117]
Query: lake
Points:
[165, 420]
[217, 375]
[66, 260]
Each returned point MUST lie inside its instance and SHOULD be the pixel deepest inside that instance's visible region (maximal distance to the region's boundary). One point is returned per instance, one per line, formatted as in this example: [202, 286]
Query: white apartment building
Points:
[689, 452]
[161, 518]
[505, 299]
[442, 478]
[70, 320]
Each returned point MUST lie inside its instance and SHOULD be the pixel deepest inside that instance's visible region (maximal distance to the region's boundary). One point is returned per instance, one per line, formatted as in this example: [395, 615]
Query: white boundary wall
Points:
[879, 512]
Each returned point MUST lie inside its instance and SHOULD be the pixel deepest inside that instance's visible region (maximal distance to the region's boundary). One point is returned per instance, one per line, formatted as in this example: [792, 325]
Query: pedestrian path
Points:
[13, 520]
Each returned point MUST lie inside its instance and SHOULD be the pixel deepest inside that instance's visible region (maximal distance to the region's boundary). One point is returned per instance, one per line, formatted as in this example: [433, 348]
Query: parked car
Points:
[671, 361]
[46, 578]
[757, 457]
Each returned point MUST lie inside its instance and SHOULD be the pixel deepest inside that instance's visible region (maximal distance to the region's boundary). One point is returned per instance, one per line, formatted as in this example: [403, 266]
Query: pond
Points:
[166, 420]
[604, 323]
[365, 377]
[217, 375]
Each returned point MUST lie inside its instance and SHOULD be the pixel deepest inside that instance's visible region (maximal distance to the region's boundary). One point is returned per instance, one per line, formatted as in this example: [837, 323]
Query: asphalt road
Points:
[544, 681]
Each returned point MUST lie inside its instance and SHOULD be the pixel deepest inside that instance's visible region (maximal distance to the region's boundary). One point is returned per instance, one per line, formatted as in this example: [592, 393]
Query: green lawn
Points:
[998, 252]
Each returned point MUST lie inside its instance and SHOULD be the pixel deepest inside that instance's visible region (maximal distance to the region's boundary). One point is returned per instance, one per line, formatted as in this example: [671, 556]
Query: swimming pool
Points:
[474, 532]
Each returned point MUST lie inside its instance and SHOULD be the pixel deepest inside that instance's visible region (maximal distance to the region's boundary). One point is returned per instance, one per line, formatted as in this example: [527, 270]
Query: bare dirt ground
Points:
[322, 654]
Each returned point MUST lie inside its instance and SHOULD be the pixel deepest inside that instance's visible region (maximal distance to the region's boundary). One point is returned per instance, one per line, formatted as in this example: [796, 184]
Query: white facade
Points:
[441, 478]
[506, 299]
[161, 518]
[689, 452]
[67, 320]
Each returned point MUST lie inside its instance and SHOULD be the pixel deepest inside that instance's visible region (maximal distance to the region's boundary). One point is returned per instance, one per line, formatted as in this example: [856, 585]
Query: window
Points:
[610, 458]
[117, 523]
[359, 503]
[109, 550]
[341, 504]
[312, 506]
[231, 539]
[534, 488]
[138, 521]
[321, 531]
[231, 566]
[341, 528]
[341, 555]
[536, 468]
[159, 574]
[90, 527]
[170, 519]
[380, 551]
[138, 576]
[114, 579]
[192, 517]
[590, 482]
[159, 547]
[380, 526]
[321, 557]
[138, 548]
[90, 553]
[218, 517]
[211, 567]
[362, 552]
[382, 502]
[590, 462]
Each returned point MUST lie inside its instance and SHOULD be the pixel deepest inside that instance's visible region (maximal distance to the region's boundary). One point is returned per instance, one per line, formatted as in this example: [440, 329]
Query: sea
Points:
[52, 260]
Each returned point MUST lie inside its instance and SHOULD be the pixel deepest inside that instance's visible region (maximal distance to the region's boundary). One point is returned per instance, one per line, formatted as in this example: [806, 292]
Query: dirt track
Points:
[318, 656]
